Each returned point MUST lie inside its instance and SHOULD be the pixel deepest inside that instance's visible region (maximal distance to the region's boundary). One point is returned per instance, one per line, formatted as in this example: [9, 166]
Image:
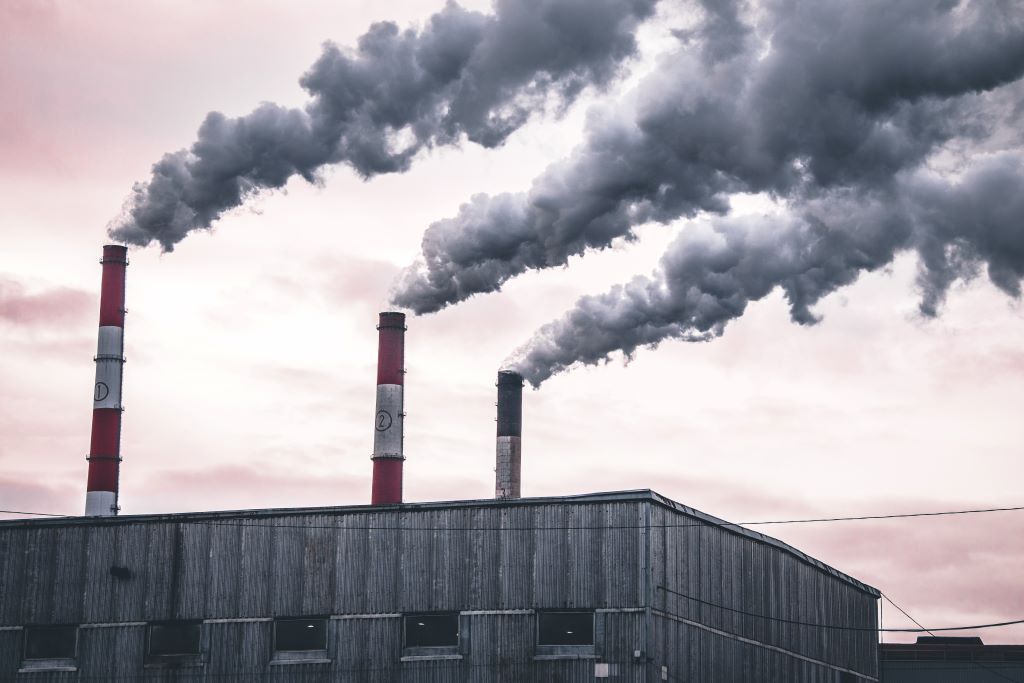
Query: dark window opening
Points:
[300, 634]
[432, 630]
[174, 638]
[565, 628]
[50, 642]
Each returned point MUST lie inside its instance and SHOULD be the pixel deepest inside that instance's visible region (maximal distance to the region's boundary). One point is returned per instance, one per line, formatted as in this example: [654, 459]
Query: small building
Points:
[942, 659]
[628, 586]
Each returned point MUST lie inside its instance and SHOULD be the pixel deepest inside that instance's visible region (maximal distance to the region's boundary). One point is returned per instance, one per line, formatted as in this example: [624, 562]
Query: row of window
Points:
[183, 638]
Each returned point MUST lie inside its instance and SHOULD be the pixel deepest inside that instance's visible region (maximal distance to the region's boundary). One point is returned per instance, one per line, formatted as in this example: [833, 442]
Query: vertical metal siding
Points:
[106, 653]
[385, 561]
[156, 604]
[10, 654]
[736, 571]
[554, 555]
[223, 586]
[254, 574]
[192, 580]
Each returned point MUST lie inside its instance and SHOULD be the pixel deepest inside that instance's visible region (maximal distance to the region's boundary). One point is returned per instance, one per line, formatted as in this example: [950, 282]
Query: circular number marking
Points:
[102, 391]
[383, 420]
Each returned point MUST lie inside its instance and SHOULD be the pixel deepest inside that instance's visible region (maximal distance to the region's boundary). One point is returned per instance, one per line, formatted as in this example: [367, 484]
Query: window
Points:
[432, 630]
[50, 647]
[565, 628]
[302, 640]
[51, 642]
[298, 635]
[174, 638]
[431, 636]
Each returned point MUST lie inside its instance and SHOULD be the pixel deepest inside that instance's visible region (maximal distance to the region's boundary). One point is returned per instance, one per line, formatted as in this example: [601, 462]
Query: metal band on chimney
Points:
[390, 416]
[509, 450]
[105, 443]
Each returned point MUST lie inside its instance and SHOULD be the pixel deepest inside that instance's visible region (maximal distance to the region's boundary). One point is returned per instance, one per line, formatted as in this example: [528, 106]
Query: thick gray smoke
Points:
[818, 97]
[708, 276]
[465, 74]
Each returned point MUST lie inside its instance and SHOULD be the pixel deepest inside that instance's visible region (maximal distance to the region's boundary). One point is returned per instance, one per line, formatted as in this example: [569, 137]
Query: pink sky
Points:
[251, 351]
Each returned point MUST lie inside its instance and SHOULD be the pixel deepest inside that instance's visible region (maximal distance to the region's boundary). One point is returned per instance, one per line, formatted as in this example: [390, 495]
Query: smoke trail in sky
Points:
[833, 108]
[845, 94]
[708, 276]
[463, 75]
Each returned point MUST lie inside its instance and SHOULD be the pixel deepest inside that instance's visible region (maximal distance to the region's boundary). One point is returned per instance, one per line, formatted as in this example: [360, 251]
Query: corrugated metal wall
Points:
[335, 562]
[716, 565]
[499, 648]
[360, 563]
[495, 647]
[504, 559]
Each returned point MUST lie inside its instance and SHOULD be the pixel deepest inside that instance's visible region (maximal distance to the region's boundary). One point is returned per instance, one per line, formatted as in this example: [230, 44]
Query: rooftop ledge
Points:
[637, 495]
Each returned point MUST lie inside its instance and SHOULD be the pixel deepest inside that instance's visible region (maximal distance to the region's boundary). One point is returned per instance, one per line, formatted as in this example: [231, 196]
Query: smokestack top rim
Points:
[510, 377]
[391, 320]
[115, 253]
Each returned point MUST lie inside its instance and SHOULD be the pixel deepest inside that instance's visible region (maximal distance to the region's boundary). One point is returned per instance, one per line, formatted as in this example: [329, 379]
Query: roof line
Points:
[763, 538]
[633, 495]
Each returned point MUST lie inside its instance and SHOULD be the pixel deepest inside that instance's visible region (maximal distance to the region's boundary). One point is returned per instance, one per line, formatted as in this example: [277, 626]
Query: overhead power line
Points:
[904, 515]
[839, 627]
[36, 514]
[907, 515]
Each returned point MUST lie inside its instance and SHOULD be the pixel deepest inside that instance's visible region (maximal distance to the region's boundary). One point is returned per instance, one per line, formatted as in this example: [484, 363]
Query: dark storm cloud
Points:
[819, 95]
[463, 74]
[722, 33]
[978, 227]
[708, 276]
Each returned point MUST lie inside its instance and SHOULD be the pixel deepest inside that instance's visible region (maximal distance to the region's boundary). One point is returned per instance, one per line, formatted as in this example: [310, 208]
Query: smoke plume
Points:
[709, 275]
[463, 75]
[803, 99]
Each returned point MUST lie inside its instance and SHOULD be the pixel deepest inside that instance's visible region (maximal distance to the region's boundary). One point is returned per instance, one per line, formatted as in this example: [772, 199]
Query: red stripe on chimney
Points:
[115, 259]
[387, 482]
[391, 349]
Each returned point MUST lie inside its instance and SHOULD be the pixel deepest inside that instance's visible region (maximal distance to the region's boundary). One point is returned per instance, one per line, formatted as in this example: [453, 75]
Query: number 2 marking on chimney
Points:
[383, 420]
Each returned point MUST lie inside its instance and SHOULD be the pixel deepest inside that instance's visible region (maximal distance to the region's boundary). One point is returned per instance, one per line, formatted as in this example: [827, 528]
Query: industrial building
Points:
[942, 659]
[627, 586]
[543, 589]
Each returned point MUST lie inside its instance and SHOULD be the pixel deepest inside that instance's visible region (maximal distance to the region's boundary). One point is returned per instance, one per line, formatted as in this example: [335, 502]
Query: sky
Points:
[767, 272]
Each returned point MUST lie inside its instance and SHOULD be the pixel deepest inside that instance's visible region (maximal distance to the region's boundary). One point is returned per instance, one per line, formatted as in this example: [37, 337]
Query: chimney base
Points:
[100, 504]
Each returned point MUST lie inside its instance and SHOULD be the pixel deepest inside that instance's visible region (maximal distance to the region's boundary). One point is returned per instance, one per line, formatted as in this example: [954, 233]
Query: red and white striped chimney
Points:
[388, 421]
[105, 448]
[509, 450]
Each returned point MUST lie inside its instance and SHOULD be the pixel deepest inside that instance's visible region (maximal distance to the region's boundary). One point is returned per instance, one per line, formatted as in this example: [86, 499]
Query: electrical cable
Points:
[706, 523]
[838, 627]
[38, 514]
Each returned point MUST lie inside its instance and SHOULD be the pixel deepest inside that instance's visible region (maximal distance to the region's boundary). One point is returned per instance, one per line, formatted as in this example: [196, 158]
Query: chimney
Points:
[508, 469]
[105, 447]
[388, 422]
